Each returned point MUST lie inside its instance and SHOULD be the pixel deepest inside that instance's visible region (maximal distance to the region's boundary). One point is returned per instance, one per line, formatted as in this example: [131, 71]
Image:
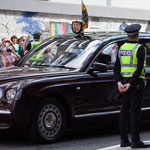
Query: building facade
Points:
[21, 17]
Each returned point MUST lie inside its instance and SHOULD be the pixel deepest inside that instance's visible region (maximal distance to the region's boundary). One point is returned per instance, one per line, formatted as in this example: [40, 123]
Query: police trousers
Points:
[131, 111]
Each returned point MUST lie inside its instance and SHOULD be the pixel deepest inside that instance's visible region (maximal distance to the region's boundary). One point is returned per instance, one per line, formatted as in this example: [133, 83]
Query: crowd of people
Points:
[15, 48]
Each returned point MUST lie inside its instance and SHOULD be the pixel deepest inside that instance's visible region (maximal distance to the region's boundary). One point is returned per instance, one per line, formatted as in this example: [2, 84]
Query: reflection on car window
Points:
[43, 56]
[112, 51]
[78, 61]
[61, 52]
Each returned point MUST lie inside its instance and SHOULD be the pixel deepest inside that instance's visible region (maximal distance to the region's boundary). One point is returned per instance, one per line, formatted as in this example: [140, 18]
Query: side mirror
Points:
[97, 67]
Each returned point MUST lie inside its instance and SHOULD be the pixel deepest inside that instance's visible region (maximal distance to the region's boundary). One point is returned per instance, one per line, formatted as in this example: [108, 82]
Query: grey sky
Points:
[136, 4]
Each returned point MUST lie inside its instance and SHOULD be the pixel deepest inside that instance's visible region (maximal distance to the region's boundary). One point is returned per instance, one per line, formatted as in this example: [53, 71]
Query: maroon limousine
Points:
[62, 81]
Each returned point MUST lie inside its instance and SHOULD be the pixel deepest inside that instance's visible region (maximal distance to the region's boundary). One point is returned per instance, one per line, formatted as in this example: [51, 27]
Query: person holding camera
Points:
[10, 56]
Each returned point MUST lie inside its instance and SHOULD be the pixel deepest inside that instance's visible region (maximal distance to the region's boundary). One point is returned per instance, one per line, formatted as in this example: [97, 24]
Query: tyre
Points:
[49, 122]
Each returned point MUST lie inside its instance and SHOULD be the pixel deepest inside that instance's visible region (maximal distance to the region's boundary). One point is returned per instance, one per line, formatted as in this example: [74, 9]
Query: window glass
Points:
[112, 51]
[108, 56]
[62, 52]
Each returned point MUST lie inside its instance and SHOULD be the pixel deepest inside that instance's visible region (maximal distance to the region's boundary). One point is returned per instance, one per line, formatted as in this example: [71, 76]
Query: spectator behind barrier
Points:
[10, 56]
[2, 60]
[14, 44]
[21, 43]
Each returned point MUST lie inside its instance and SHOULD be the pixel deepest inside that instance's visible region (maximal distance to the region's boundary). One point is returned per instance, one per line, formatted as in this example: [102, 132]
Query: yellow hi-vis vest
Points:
[34, 43]
[38, 56]
[129, 61]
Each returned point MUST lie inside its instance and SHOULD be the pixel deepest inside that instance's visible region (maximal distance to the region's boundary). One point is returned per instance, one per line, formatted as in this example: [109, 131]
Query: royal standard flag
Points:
[85, 18]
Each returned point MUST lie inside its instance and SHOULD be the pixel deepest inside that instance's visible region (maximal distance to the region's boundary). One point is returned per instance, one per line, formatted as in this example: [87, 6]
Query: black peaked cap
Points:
[132, 29]
[37, 34]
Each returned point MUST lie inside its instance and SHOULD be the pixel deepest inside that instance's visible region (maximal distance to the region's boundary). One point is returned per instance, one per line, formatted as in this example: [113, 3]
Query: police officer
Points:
[129, 72]
[36, 41]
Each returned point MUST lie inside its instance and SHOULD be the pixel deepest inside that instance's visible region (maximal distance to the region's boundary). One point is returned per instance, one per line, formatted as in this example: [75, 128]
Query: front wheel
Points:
[49, 121]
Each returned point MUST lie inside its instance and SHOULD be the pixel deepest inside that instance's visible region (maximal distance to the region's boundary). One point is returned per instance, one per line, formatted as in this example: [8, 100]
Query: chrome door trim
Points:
[4, 126]
[97, 114]
[5, 112]
[104, 113]
[146, 108]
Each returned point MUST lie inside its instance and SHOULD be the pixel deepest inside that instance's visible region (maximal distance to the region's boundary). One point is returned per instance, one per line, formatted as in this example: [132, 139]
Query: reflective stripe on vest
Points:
[38, 56]
[129, 61]
[131, 73]
[34, 43]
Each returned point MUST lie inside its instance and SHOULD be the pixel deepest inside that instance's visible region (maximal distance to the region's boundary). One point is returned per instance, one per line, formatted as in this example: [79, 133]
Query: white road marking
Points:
[111, 147]
[117, 147]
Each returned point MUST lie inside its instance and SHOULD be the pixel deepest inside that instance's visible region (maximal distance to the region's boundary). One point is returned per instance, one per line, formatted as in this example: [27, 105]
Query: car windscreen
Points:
[62, 52]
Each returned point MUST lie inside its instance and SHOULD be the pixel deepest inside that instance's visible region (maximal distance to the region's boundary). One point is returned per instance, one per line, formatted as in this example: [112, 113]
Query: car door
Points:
[92, 94]
[104, 93]
[100, 95]
[98, 90]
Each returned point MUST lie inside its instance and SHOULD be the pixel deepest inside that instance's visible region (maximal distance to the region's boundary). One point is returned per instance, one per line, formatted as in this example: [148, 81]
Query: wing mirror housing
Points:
[96, 68]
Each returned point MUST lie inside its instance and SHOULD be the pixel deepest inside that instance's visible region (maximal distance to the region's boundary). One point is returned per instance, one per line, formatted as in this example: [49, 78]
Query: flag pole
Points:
[81, 8]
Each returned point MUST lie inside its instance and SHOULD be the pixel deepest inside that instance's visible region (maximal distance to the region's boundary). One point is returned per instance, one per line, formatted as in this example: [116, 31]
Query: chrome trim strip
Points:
[3, 128]
[146, 108]
[104, 113]
[97, 114]
[5, 112]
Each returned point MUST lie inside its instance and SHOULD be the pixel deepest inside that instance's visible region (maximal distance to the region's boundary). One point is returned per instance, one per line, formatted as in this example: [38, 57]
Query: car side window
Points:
[108, 56]
[112, 51]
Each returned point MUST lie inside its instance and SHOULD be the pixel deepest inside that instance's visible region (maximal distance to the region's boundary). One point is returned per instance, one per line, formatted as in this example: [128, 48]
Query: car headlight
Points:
[1, 93]
[10, 94]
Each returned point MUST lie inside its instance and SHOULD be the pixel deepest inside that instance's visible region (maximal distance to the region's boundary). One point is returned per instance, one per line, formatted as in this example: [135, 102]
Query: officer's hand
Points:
[121, 87]
[126, 87]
